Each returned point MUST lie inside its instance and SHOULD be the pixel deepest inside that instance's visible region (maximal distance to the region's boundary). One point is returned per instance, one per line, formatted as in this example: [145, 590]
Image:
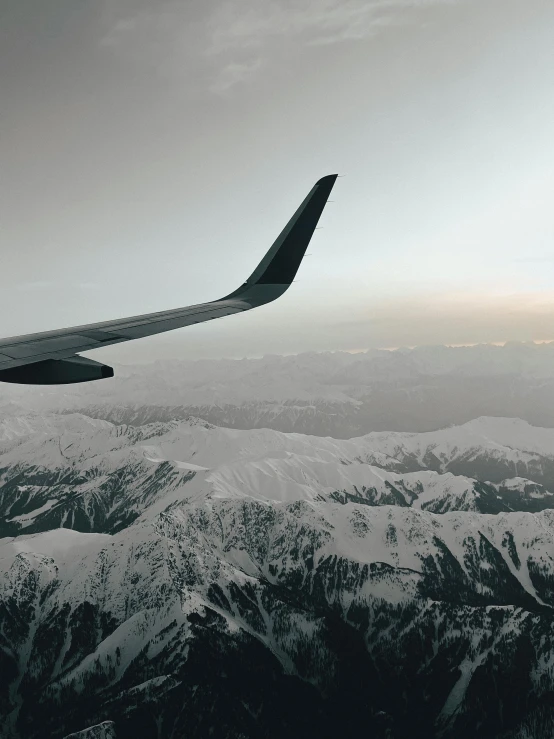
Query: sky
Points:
[150, 152]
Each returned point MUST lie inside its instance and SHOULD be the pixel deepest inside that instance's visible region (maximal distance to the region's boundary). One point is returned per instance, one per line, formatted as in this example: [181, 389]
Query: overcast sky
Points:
[150, 152]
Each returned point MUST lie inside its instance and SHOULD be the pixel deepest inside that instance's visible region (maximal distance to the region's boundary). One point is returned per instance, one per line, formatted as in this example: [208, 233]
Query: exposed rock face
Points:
[210, 582]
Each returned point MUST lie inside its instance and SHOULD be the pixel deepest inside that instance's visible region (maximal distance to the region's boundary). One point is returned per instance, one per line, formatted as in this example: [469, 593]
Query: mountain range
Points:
[335, 394]
[183, 579]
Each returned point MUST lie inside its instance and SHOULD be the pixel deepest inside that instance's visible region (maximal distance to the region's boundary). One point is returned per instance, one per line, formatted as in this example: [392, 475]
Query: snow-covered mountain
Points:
[92, 476]
[215, 582]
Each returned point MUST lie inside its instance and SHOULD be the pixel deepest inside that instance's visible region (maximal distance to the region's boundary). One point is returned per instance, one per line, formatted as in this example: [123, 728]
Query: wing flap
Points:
[57, 372]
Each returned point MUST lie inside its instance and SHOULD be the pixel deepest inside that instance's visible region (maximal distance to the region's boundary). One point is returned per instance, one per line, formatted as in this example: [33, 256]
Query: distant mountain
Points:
[215, 582]
[326, 394]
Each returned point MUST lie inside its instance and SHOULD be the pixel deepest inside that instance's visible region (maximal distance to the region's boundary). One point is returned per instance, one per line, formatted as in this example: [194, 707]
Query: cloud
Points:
[248, 24]
[235, 73]
[167, 36]
[233, 40]
[241, 30]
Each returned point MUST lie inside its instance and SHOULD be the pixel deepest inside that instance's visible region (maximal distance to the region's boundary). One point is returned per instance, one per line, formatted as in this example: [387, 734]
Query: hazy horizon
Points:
[363, 350]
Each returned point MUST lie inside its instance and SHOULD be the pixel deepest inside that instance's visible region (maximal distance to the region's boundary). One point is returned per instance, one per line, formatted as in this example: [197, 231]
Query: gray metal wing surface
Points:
[51, 357]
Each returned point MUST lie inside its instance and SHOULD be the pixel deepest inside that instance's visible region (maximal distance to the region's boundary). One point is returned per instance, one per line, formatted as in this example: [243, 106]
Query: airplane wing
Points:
[51, 358]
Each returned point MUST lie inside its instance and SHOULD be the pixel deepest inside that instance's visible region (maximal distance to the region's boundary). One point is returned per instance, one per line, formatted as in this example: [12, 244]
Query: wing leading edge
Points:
[50, 357]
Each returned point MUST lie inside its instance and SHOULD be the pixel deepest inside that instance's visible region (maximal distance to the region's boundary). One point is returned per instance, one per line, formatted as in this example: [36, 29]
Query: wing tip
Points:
[328, 179]
[280, 264]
